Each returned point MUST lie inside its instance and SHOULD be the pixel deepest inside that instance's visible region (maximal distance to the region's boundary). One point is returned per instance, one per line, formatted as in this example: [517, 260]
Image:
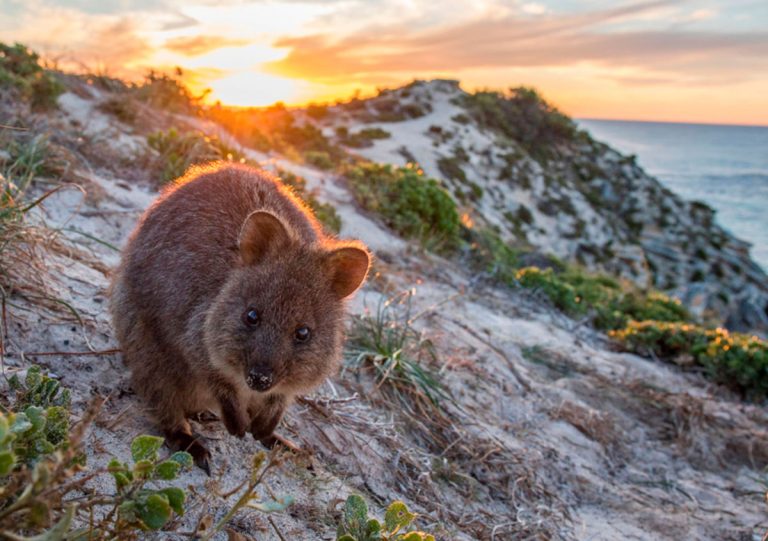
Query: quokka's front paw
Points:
[180, 440]
[235, 418]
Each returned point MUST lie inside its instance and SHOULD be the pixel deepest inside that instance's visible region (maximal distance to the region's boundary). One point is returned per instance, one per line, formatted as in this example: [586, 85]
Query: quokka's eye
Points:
[302, 334]
[251, 317]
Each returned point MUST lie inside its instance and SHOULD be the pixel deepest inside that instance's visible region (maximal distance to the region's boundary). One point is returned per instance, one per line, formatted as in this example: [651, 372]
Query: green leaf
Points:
[183, 458]
[167, 470]
[156, 511]
[143, 468]
[271, 506]
[355, 512]
[56, 425]
[127, 511]
[36, 416]
[373, 529]
[14, 383]
[121, 480]
[397, 517]
[412, 536]
[34, 377]
[20, 424]
[145, 448]
[176, 498]
[7, 461]
[3, 427]
[346, 537]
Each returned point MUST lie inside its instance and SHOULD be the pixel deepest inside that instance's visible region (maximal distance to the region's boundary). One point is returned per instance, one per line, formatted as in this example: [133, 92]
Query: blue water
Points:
[723, 166]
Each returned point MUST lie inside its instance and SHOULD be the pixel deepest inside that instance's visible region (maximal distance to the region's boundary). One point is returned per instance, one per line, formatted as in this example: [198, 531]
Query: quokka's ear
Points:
[261, 232]
[348, 267]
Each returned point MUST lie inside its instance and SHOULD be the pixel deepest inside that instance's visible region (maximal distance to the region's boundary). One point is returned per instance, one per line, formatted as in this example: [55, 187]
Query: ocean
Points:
[726, 167]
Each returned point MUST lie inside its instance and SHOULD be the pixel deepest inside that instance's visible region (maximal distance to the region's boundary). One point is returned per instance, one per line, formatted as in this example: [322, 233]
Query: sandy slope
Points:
[551, 436]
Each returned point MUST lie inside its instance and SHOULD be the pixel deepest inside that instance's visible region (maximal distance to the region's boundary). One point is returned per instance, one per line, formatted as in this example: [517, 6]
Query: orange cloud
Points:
[673, 56]
[198, 45]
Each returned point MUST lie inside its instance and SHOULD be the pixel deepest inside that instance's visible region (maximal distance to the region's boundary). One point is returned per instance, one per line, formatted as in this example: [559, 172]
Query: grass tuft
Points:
[398, 355]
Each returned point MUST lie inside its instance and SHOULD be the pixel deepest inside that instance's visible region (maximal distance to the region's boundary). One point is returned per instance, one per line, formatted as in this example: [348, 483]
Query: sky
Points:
[689, 61]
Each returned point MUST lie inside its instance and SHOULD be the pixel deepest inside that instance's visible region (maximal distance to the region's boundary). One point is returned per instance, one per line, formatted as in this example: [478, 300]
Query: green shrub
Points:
[324, 212]
[410, 203]
[375, 133]
[362, 139]
[491, 254]
[43, 474]
[610, 305]
[167, 92]
[319, 159]
[523, 116]
[121, 107]
[180, 150]
[356, 525]
[38, 456]
[41, 424]
[318, 112]
[562, 294]
[20, 68]
[275, 128]
[734, 359]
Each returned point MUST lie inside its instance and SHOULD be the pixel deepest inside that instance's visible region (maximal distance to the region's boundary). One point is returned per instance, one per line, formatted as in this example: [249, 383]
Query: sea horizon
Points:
[675, 122]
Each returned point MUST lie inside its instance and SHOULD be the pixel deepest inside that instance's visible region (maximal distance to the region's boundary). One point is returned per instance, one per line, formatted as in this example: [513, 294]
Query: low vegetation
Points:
[41, 464]
[22, 236]
[20, 69]
[611, 305]
[167, 92]
[523, 116]
[179, 150]
[412, 204]
[356, 525]
[324, 212]
[386, 343]
[43, 474]
[737, 360]
[362, 139]
[276, 129]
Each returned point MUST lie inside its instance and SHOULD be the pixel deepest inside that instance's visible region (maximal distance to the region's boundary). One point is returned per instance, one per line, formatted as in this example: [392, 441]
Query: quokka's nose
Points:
[260, 379]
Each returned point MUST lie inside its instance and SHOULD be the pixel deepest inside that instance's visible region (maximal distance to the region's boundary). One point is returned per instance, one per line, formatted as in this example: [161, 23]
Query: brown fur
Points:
[222, 240]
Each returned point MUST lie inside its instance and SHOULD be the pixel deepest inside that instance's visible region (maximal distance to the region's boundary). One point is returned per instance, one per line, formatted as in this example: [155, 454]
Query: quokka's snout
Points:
[235, 251]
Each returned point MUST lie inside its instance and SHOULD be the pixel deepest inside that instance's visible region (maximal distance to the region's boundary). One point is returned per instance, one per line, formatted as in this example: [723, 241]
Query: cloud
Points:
[534, 8]
[77, 41]
[703, 14]
[197, 45]
[550, 40]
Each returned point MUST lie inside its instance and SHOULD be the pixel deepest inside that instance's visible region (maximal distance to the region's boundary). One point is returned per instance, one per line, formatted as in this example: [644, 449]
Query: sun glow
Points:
[253, 88]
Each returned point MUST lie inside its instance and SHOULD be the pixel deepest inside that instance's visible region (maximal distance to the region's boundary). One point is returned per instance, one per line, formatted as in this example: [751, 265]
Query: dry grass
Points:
[598, 426]
[25, 240]
[443, 453]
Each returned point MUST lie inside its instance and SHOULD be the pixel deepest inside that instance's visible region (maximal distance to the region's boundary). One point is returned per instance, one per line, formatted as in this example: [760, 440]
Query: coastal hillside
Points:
[527, 172]
[550, 345]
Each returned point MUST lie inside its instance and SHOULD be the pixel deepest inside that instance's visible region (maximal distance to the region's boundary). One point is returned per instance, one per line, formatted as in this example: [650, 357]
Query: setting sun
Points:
[246, 89]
